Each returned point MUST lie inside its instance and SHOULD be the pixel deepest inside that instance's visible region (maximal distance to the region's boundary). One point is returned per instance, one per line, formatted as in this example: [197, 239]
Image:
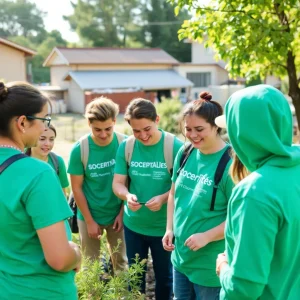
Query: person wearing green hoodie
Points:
[262, 232]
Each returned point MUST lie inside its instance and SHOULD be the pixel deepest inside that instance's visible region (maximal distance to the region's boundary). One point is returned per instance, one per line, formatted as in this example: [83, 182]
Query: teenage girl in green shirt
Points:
[43, 148]
[146, 196]
[198, 230]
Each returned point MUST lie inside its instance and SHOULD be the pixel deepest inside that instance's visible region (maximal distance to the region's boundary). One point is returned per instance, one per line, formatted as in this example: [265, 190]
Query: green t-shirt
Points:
[149, 177]
[192, 200]
[63, 177]
[104, 206]
[33, 202]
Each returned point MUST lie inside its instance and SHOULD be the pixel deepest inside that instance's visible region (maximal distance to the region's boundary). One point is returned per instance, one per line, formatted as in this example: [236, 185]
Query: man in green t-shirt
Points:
[91, 179]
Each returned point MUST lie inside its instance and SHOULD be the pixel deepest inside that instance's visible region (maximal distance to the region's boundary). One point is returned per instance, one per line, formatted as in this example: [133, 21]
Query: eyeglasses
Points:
[46, 120]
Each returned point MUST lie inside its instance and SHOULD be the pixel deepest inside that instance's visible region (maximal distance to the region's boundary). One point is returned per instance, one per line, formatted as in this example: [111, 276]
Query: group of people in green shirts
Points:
[238, 239]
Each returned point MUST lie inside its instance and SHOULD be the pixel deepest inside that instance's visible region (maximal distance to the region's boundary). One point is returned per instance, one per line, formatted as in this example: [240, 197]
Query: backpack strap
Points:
[219, 174]
[55, 162]
[84, 150]
[120, 137]
[10, 161]
[129, 149]
[168, 150]
[184, 157]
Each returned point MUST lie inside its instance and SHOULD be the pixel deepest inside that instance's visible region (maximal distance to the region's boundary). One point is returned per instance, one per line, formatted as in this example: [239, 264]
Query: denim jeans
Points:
[186, 290]
[140, 244]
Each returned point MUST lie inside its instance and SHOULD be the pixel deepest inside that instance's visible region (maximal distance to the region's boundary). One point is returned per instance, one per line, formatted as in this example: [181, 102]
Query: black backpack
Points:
[10, 161]
[225, 158]
[55, 162]
[72, 220]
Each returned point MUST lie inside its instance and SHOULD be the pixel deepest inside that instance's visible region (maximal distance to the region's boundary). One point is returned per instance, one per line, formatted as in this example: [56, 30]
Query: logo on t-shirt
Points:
[148, 164]
[102, 165]
[203, 178]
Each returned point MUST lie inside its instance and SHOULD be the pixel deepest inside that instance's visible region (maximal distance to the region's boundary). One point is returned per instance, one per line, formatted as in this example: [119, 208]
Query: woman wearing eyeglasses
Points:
[37, 257]
[43, 152]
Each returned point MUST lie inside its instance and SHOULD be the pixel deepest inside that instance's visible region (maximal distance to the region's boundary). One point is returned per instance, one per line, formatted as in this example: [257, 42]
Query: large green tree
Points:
[129, 23]
[43, 46]
[20, 17]
[255, 37]
[161, 29]
[108, 23]
[22, 22]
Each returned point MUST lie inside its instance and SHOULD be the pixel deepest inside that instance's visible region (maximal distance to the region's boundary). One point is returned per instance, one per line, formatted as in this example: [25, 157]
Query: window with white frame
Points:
[202, 79]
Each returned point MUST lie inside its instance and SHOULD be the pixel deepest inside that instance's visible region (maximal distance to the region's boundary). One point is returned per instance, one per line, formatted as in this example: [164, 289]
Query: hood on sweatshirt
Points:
[259, 124]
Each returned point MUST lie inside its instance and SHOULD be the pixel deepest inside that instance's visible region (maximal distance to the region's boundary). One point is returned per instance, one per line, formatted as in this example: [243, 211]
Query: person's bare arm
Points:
[200, 240]
[65, 192]
[121, 191]
[94, 230]
[76, 183]
[156, 202]
[169, 235]
[60, 254]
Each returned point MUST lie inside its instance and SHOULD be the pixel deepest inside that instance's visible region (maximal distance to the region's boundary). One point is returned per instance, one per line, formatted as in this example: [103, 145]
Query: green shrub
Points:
[169, 111]
[94, 282]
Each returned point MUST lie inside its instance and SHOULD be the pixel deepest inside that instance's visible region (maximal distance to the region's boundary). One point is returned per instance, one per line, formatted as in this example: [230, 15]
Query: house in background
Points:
[207, 74]
[13, 61]
[81, 74]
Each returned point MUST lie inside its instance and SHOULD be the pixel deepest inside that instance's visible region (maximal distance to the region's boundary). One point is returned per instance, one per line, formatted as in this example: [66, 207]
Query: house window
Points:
[200, 79]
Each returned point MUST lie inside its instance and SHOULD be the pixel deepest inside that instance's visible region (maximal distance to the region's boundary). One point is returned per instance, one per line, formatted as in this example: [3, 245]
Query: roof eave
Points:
[114, 63]
[55, 50]
[27, 51]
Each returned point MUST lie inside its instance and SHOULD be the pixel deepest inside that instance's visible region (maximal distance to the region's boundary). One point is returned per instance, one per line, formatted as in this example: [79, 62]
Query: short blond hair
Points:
[101, 109]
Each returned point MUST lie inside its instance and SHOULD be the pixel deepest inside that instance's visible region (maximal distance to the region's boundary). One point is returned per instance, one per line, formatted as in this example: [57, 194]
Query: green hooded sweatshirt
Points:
[263, 223]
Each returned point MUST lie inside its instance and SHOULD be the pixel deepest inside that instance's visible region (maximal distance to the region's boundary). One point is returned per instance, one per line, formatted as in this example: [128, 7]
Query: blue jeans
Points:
[186, 290]
[140, 244]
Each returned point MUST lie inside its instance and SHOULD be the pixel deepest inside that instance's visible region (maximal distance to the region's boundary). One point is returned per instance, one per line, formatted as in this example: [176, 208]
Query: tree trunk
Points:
[294, 90]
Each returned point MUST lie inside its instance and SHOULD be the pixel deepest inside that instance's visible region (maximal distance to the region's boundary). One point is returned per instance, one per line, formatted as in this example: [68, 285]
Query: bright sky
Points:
[56, 9]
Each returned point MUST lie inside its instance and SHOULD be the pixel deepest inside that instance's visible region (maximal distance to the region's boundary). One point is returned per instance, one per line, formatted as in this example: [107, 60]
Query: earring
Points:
[23, 130]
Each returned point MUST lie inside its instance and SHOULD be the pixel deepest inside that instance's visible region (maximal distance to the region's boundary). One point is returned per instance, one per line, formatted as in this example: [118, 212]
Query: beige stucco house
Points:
[208, 74]
[13, 60]
[78, 72]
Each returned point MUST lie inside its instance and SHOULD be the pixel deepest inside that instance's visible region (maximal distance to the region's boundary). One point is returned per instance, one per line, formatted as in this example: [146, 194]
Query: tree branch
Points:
[227, 11]
[282, 17]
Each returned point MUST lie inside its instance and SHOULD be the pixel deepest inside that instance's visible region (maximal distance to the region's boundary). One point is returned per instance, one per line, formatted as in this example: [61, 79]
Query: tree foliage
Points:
[109, 23]
[22, 22]
[255, 37]
[20, 18]
[169, 113]
[129, 23]
[51, 39]
[162, 26]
